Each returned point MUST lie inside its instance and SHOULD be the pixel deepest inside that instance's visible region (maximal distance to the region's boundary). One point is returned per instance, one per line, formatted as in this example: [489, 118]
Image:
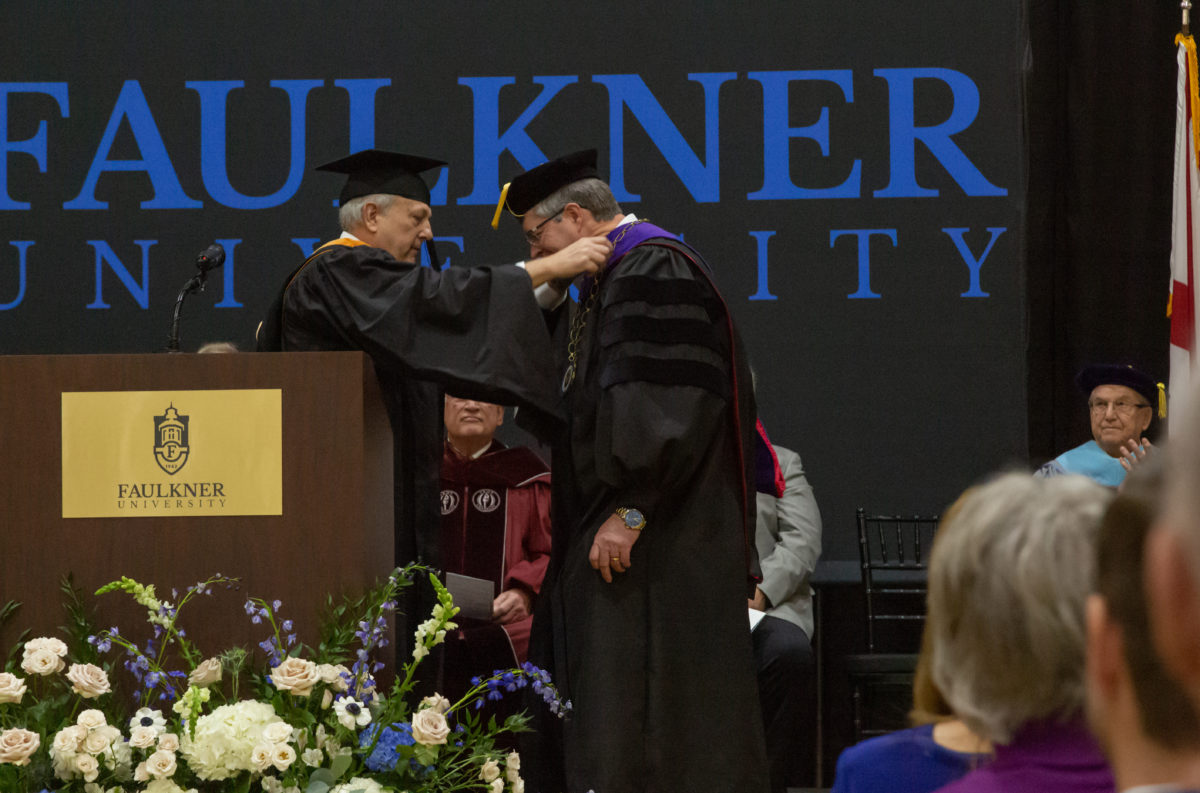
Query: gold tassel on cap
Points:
[500, 205]
[1162, 401]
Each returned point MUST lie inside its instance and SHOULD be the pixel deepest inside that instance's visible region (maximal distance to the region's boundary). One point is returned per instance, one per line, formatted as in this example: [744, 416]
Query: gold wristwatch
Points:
[634, 519]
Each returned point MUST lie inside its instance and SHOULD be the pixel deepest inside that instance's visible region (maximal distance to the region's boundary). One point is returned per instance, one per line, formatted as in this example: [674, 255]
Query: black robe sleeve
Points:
[476, 331]
[664, 377]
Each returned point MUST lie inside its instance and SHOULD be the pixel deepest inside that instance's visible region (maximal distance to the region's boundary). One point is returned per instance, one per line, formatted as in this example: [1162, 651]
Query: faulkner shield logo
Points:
[171, 440]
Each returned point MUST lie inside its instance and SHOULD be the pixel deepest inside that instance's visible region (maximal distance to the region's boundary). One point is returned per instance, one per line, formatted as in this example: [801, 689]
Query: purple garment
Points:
[1044, 757]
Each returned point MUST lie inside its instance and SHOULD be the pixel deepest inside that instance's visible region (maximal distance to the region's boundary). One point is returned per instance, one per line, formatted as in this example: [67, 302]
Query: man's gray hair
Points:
[350, 214]
[1010, 573]
[591, 194]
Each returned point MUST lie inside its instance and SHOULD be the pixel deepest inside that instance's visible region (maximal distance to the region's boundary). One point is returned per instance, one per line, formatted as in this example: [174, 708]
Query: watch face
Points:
[633, 517]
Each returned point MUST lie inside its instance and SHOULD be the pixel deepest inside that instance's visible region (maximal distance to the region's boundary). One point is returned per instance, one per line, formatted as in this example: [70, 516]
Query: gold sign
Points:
[161, 453]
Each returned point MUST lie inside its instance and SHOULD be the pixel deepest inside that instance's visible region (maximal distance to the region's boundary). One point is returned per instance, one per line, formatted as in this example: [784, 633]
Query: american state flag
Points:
[1185, 227]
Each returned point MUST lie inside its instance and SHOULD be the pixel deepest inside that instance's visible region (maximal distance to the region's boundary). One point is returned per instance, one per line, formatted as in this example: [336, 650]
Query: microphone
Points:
[212, 258]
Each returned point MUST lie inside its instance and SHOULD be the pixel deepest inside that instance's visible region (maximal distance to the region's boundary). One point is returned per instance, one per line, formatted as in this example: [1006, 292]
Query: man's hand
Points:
[1133, 452]
[584, 255]
[759, 601]
[611, 547]
[511, 605]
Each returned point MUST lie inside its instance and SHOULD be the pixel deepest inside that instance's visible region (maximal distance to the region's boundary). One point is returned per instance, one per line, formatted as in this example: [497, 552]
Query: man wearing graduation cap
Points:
[1121, 403]
[475, 330]
[642, 620]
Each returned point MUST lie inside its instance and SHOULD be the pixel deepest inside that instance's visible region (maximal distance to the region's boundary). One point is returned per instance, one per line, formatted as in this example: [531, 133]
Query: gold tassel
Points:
[500, 206]
[1162, 401]
[1189, 44]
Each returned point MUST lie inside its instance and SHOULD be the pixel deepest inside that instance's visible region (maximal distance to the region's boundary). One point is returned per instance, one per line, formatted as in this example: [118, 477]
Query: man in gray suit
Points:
[788, 538]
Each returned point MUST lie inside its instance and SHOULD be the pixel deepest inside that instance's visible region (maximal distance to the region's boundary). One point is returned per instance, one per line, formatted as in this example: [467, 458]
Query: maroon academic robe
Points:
[496, 526]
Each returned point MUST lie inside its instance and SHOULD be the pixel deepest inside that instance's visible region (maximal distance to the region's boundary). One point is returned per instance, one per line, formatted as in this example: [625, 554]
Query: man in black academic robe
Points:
[643, 618]
[477, 330]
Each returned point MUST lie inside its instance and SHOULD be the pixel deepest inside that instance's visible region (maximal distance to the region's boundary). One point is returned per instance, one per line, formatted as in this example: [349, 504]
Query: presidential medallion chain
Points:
[579, 321]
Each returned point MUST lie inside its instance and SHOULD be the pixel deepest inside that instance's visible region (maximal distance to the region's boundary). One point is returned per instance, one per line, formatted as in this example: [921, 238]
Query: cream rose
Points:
[67, 740]
[277, 732]
[88, 680]
[142, 737]
[331, 675]
[161, 764]
[97, 741]
[140, 774]
[86, 766]
[12, 688]
[42, 662]
[91, 719]
[168, 742]
[17, 746]
[47, 643]
[283, 756]
[497, 786]
[437, 702]
[260, 756]
[296, 675]
[207, 673]
[490, 771]
[429, 727]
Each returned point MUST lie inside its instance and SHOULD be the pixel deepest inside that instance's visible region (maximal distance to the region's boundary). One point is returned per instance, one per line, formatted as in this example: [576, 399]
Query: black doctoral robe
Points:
[476, 331]
[658, 663]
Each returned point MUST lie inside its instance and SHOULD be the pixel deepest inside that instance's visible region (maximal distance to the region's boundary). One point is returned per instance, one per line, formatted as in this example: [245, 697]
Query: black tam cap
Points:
[1123, 374]
[376, 171]
[537, 184]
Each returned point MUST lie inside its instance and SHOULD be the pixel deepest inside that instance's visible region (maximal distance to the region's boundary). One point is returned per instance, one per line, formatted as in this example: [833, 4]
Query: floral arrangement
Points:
[314, 722]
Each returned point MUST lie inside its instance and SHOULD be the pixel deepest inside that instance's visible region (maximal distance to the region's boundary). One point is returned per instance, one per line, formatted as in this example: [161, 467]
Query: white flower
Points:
[224, 739]
[207, 673]
[513, 761]
[429, 727]
[277, 732]
[97, 741]
[17, 745]
[87, 766]
[88, 680]
[497, 786]
[296, 675]
[91, 719]
[272, 785]
[334, 676]
[168, 742]
[161, 764]
[351, 713]
[165, 786]
[437, 702]
[260, 756]
[283, 756]
[42, 662]
[312, 757]
[67, 740]
[358, 783]
[518, 786]
[149, 718]
[420, 651]
[49, 644]
[12, 688]
[142, 737]
[141, 774]
[490, 771]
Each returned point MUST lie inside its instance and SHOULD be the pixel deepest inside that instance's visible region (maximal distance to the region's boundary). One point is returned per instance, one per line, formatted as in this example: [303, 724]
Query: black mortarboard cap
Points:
[1126, 375]
[377, 171]
[537, 184]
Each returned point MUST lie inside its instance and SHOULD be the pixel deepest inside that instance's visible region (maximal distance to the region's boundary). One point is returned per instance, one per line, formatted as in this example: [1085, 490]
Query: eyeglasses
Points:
[534, 235]
[1099, 407]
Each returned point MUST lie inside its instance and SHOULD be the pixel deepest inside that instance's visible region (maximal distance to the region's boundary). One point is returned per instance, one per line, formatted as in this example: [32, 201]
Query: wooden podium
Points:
[335, 534]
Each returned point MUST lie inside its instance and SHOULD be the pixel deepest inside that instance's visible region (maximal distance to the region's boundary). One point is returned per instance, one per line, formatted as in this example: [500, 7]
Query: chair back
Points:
[894, 554]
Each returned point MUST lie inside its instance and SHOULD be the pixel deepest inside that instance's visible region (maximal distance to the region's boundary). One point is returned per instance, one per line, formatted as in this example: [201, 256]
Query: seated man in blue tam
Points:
[1121, 402]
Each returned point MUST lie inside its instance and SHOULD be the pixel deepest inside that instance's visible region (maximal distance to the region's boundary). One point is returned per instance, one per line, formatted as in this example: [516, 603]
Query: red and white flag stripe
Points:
[1185, 230]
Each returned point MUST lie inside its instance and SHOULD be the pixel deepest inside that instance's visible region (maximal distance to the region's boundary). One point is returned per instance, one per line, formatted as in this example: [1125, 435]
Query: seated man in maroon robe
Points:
[495, 526]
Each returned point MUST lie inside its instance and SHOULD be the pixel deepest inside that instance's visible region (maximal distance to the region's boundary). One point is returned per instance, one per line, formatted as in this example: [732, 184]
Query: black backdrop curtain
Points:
[1100, 101]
